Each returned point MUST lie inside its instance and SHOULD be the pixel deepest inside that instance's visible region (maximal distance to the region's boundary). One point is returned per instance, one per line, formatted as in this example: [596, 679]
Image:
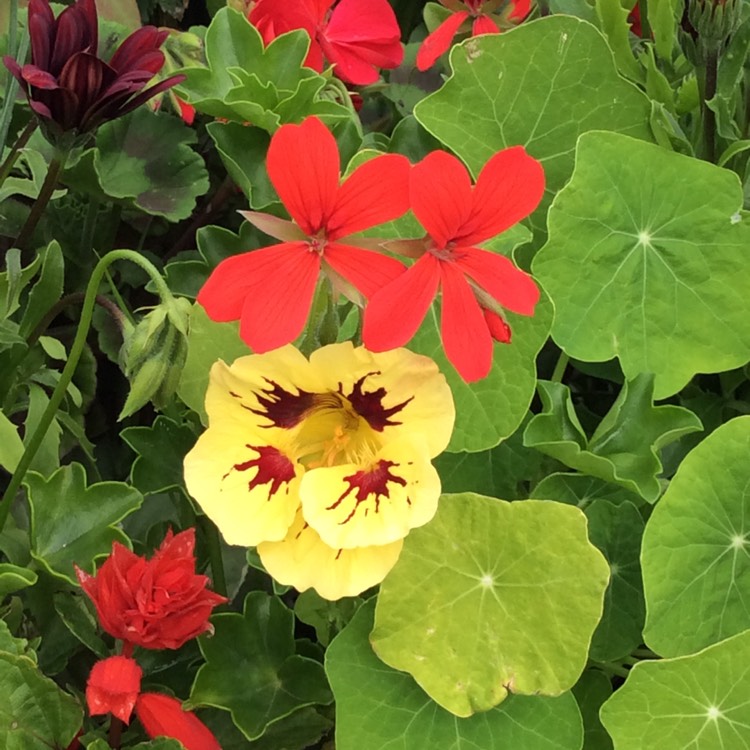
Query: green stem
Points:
[612, 668]
[214, 555]
[15, 150]
[56, 166]
[12, 88]
[89, 225]
[709, 117]
[66, 376]
[559, 371]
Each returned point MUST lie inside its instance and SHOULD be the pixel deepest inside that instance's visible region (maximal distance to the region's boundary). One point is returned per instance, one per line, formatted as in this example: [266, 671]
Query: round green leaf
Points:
[540, 85]
[580, 490]
[492, 597]
[696, 548]
[378, 708]
[666, 282]
[701, 702]
[590, 692]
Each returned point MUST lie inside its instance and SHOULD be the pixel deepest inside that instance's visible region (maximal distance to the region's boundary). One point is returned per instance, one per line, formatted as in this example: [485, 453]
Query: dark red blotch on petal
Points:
[273, 468]
[369, 404]
[283, 408]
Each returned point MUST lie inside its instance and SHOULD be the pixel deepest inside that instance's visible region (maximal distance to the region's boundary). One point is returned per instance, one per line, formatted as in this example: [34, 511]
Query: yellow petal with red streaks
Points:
[304, 561]
[377, 503]
[248, 488]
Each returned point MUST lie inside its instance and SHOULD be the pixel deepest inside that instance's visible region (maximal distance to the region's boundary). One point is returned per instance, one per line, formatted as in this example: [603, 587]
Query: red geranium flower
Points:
[163, 716]
[68, 86]
[439, 41]
[270, 290]
[113, 687]
[475, 283]
[357, 36]
[156, 603]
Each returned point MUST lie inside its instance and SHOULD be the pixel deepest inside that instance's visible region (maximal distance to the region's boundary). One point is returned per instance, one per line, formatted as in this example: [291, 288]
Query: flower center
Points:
[317, 243]
[441, 253]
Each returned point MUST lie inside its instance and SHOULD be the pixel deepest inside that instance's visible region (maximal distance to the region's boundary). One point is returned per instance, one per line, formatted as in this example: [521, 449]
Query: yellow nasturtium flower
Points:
[324, 464]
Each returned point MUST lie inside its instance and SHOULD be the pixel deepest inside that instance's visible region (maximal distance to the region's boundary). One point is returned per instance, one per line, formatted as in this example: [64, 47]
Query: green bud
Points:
[714, 21]
[154, 353]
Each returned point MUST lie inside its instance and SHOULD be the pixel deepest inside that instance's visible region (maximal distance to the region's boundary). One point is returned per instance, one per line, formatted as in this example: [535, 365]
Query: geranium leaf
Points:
[492, 597]
[551, 80]
[700, 701]
[624, 447]
[590, 692]
[75, 523]
[161, 449]
[695, 547]
[665, 288]
[269, 680]
[14, 578]
[35, 714]
[617, 530]
[378, 708]
[146, 158]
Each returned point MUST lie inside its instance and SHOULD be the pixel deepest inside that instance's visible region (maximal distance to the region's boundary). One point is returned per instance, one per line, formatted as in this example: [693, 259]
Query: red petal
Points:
[377, 191]
[466, 338]
[522, 8]
[38, 78]
[498, 328]
[41, 25]
[441, 198]
[15, 70]
[113, 687]
[394, 314]
[187, 111]
[303, 164]
[130, 54]
[275, 311]
[484, 25]
[367, 270]
[163, 716]
[440, 40]
[71, 35]
[508, 189]
[499, 277]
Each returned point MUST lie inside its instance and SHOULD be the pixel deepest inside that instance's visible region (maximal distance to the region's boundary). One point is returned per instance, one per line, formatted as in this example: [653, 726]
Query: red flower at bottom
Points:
[476, 284]
[163, 716]
[113, 687]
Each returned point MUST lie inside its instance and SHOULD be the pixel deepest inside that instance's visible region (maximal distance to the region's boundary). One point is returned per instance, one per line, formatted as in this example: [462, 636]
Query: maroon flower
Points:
[156, 603]
[68, 86]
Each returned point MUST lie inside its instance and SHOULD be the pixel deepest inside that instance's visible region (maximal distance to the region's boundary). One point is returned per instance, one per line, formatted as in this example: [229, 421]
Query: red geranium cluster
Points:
[270, 290]
[157, 603]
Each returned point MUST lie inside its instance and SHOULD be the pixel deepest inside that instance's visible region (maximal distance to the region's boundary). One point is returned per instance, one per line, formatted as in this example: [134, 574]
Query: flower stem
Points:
[56, 166]
[66, 376]
[559, 371]
[214, 555]
[709, 116]
[115, 733]
[15, 150]
[19, 55]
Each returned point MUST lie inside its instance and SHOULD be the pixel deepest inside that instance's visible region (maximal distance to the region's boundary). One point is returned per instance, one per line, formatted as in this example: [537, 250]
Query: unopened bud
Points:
[713, 21]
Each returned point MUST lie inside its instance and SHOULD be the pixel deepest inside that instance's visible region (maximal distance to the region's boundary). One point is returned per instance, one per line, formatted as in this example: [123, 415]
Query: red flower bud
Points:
[113, 687]
[163, 716]
[156, 603]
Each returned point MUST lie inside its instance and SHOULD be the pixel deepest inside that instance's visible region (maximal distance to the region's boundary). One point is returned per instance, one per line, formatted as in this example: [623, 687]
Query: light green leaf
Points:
[75, 524]
[624, 448]
[701, 702]
[696, 548]
[147, 158]
[378, 708]
[580, 490]
[663, 18]
[492, 598]
[613, 21]
[269, 680]
[47, 290]
[665, 287]
[11, 445]
[47, 458]
[541, 85]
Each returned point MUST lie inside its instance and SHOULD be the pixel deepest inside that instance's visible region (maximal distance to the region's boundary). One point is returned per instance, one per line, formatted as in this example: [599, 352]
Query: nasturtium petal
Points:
[304, 561]
[350, 506]
[248, 488]
[379, 708]
[492, 598]
[696, 547]
[701, 701]
[269, 681]
[552, 79]
[666, 272]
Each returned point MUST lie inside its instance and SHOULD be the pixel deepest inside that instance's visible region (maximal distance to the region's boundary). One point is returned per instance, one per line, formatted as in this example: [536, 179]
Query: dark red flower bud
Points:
[156, 603]
[68, 86]
[113, 687]
[163, 716]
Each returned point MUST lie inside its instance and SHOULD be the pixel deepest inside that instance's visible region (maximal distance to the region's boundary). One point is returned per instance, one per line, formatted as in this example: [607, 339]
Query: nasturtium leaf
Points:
[590, 692]
[623, 449]
[492, 598]
[701, 702]
[161, 449]
[378, 708]
[207, 342]
[147, 158]
[14, 578]
[666, 273]
[35, 714]
[72, 523]
[617, 530]
[539, 85]
[269, 680]
[580, 490]
[696, 547]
